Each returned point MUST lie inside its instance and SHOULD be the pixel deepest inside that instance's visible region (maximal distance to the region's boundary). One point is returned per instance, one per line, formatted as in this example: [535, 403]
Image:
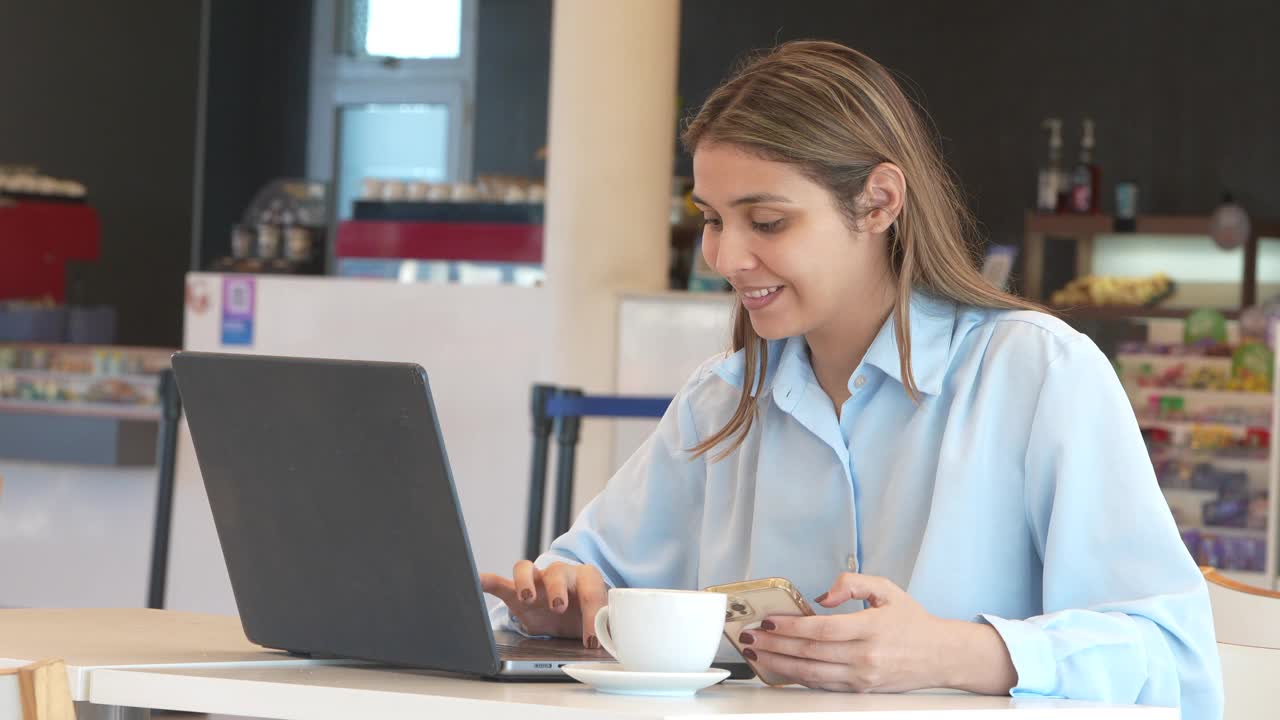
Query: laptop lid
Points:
[336, 509]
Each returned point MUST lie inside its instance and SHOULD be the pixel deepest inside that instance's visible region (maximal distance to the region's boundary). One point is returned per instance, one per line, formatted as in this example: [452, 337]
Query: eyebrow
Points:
[752, 199]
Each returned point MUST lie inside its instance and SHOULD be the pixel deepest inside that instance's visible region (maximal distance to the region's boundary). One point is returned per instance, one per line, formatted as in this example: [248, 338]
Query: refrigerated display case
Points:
[81, 429]
[99, 381]
[85, 404]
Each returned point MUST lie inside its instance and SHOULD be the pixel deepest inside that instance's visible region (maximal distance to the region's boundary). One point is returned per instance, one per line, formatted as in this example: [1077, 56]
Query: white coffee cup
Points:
[662, 630]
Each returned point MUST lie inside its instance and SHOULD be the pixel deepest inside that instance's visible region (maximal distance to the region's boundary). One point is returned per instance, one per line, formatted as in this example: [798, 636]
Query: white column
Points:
[611, 148]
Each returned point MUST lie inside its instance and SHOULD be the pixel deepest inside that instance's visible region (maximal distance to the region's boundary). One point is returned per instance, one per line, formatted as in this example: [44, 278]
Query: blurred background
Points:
[493, 189]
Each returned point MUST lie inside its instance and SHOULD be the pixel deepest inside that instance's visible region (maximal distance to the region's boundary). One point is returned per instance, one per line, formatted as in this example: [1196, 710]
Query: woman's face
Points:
[782, 242]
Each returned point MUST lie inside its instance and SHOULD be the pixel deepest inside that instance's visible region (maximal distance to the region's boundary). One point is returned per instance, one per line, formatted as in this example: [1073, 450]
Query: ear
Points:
[882, 196]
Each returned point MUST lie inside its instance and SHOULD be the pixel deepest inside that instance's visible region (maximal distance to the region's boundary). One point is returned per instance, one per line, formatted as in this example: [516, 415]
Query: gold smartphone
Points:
[752, 601]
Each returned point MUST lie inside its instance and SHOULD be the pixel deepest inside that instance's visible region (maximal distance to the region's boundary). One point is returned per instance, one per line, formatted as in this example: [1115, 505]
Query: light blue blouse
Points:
[1017, 492]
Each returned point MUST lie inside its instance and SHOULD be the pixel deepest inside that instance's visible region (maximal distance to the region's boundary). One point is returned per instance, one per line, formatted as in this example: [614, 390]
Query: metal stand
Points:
[563, 409]
[566, 450]
[538, 469]
[166, 457]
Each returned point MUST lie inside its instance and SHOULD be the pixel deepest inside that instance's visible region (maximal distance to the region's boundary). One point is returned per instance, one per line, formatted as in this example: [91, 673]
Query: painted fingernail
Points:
[526, 595]
[749, 654]
[593, 643]
[821, 597]
[768, 625]
[557, 603]
[746, 639]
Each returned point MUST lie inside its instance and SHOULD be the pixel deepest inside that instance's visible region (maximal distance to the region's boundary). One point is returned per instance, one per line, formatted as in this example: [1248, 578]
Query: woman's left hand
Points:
[894, 645]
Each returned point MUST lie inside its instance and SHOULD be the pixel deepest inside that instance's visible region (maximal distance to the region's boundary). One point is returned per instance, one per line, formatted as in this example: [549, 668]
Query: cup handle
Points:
[602, 631]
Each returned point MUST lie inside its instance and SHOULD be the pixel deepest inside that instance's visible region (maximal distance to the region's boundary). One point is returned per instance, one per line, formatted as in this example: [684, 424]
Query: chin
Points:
[773, 328]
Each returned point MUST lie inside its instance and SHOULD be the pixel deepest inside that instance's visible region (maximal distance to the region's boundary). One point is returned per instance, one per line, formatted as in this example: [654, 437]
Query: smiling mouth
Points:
[762, 292]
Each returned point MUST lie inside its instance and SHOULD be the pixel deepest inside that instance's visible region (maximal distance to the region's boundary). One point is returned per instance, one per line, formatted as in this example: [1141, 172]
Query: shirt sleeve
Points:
[1126, 611]
[642, 529]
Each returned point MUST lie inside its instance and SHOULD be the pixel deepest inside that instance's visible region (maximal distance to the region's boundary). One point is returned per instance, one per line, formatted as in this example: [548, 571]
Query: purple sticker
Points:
[237, 310]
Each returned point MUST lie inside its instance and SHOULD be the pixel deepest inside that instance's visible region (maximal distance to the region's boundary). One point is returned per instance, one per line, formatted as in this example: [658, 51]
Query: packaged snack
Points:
[1205, 326]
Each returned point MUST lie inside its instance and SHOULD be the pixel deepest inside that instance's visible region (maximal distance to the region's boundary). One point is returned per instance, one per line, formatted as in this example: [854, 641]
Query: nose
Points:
[733, 254]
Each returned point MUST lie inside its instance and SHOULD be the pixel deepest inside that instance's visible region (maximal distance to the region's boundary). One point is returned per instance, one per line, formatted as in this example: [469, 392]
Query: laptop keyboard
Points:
[546, 649]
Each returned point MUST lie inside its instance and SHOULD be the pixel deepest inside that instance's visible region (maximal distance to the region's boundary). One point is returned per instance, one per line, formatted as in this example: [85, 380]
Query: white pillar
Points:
[611, 148]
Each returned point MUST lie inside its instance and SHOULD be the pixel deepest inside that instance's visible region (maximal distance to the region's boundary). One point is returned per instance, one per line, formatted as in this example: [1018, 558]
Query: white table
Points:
[122, 660]
[335, 691]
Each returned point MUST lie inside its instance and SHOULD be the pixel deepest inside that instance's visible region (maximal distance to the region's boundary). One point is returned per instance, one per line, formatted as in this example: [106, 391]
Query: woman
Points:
[891, 431]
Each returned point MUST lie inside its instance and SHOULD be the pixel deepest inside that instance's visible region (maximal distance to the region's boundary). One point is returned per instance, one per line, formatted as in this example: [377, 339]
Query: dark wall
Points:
[513, 59]
[259, 73]
[105, 93]
[1184, 92]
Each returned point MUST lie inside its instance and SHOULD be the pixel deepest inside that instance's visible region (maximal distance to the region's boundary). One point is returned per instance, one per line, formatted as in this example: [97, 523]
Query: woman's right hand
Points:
[561, 600]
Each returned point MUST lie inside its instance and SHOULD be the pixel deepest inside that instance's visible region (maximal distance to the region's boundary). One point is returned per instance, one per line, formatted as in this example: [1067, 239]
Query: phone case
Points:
[751, 602]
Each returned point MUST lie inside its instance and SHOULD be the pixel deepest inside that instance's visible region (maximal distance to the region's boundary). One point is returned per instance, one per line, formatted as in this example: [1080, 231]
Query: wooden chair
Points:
[1247, 622]
[38, 691]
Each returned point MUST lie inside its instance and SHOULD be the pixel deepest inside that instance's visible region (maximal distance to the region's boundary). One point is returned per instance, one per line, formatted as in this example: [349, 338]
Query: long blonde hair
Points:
[836, 114]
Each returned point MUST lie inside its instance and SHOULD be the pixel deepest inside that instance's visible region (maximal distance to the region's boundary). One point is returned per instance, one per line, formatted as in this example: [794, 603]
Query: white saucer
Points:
[611, 678]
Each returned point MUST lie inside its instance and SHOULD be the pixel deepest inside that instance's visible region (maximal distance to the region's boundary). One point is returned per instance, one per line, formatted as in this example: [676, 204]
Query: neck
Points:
[835, 350]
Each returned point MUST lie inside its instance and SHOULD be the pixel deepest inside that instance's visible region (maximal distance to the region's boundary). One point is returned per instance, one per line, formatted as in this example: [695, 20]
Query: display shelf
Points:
[1225, 531]
[1210, 456]
[1217, 361]
[1197, 379]
[80, 404]
[78, 377]
[89, 360]
[1188, 494]
[91, 381]
[1218, 397]
[1226, 475]
[1070, 226]
[1155, 422]
[1085, 230]
[111, 411]
[1129, 312]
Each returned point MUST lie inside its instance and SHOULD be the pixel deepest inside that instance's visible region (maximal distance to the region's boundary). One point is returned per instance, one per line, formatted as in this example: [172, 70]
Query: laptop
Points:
[338, 517]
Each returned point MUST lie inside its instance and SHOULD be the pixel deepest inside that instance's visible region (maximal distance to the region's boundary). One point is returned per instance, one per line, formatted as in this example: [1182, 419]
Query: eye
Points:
[767, 227]
[713, 223]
